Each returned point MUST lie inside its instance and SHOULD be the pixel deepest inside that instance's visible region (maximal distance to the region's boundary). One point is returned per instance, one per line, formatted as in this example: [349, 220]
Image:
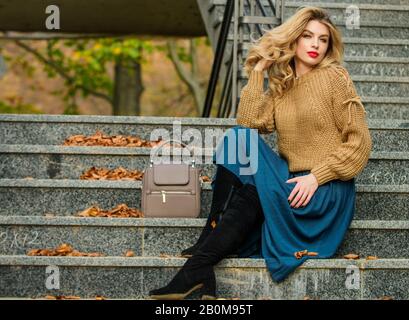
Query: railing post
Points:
[237, 3]
[218, 59]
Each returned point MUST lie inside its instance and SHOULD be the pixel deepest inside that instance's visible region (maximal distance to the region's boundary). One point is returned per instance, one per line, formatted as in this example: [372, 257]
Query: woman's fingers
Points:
[308, 198]
[302, 199]
[298, 196]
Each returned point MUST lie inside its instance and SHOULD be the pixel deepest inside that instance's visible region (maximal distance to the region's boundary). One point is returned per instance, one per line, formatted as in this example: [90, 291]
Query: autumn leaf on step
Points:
[89, 212]
[49, 297]
[115, 174]
[72, 297]
[312, 254]
[129, 254]
[300, 254]
[101, 139]
[351, 256]
[62, 250]
[371, 258]
[120, 211]
[34, 252]
[205, 179]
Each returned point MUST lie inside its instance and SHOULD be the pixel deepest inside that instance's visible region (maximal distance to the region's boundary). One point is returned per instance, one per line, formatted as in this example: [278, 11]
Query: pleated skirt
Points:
[319, 227]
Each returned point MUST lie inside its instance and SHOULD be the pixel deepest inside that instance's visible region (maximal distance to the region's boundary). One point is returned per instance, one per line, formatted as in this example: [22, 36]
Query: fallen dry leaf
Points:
[129, 254]
[62, 297]
[385, 298]
[100, 139]
[205, 179]
[312, 254]
[63, 250]
[100, 298]
[351, 256]
[300, 254]
[120, 211]
[163, 255]
[115, 174]
[371, 258]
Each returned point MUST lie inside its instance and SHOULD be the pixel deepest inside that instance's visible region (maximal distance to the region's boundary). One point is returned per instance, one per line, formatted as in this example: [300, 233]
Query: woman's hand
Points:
[263, 64]
[303, 191]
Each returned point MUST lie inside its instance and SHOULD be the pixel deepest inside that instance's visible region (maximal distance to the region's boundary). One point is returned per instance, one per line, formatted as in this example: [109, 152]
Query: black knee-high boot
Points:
[238, 221]
[226, 183]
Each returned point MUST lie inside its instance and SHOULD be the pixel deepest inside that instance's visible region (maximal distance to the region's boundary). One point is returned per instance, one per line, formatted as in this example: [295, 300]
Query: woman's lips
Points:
[313, 54]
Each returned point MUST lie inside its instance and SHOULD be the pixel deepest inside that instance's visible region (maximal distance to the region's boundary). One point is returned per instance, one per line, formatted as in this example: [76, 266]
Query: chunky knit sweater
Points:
[320, 122]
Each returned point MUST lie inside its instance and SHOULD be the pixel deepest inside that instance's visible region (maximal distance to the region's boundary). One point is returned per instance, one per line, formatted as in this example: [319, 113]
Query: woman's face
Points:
[314, 39]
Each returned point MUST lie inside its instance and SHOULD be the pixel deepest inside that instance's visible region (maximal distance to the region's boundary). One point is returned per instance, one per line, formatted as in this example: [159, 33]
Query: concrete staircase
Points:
[31, 147]
[40, 191]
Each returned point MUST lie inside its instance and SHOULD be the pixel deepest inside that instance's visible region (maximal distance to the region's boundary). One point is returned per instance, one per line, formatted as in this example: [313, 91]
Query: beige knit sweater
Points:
[320, 122]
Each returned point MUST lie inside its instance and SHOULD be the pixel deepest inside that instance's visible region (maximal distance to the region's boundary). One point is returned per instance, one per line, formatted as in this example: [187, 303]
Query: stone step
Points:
[378, 66]
[371, 66]
[59, 162]
[379, 14]
[66, 197]
[54, 129]
[365, 47]
[214, 3]
[168, 236]
[387, 14]
[388, 26]
[117, 277]
[373, 86]
[357, 2]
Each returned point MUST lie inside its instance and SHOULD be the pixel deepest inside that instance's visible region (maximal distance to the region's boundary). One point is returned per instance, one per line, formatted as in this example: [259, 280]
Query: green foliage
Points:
[84, 63]
[87, 63]
[19, 108]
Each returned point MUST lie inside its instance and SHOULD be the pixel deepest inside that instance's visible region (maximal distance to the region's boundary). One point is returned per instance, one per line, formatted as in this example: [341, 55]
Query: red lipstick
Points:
[313, 54]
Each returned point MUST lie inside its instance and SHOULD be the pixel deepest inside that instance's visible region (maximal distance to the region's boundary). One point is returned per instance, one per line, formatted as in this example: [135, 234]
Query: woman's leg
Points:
[224, 186]
[236, 225]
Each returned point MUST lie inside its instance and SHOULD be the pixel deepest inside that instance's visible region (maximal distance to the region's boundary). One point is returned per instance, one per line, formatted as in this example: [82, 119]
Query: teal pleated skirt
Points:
[318, 227]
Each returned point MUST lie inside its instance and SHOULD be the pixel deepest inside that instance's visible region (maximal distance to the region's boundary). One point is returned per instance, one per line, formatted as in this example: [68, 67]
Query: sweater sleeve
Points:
[256, 108]
[352, 155]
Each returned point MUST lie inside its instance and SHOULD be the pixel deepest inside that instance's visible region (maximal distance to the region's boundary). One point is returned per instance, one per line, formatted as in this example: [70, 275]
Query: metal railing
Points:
[248, 18]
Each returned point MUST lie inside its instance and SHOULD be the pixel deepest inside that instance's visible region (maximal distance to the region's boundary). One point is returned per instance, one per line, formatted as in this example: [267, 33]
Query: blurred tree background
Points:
[107, 76]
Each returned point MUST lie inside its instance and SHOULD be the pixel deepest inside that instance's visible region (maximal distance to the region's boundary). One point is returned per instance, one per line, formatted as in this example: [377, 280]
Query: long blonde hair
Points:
[279, 45]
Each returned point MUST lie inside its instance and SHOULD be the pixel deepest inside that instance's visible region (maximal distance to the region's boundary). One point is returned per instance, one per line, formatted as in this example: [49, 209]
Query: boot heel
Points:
[209, 289]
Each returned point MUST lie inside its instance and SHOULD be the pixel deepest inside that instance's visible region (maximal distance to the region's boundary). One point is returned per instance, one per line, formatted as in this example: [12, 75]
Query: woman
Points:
[297, 204]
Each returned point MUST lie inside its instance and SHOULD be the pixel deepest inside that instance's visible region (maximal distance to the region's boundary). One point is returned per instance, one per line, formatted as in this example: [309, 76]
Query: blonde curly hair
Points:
[279, 45]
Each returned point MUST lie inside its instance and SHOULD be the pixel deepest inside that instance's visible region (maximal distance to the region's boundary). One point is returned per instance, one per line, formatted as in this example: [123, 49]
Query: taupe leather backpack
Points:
[171, 190]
